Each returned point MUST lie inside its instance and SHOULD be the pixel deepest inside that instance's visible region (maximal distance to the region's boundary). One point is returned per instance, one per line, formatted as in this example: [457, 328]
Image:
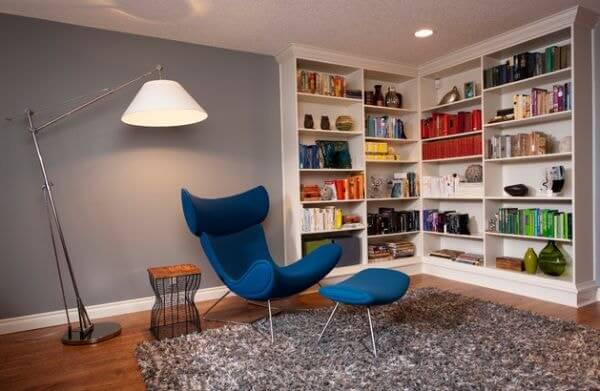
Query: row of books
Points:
[542, 101]
[450, 186]
[391, 250]
[327, 219]
[463, 146]
[459, 256]
[528, 64]
[451, 222]
[350, 188]
[549, 223]
[384, 126]
[442, 124]
[388, 221]
[321, 83]
[522, 144]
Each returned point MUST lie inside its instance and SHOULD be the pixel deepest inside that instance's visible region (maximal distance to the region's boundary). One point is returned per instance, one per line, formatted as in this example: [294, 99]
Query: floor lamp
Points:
[159, 103]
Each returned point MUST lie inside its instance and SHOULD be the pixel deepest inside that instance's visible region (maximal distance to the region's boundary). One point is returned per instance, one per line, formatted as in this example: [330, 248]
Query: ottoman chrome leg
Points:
[328, 321]
[372, 335]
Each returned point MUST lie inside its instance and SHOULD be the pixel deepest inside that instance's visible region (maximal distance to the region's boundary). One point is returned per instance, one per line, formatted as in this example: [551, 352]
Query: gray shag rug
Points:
[430, 339]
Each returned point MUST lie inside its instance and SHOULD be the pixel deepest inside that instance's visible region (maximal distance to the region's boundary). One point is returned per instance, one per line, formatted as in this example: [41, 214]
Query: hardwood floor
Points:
[38, 360]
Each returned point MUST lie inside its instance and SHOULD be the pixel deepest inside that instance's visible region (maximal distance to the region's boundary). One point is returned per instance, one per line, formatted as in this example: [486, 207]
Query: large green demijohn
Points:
[551, 260]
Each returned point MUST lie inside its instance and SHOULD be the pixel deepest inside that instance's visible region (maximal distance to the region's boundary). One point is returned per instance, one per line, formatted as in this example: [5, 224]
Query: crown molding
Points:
[334, 57]
[549, 24]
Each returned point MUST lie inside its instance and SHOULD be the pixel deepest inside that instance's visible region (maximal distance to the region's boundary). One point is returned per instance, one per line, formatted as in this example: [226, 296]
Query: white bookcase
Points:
[422, 88]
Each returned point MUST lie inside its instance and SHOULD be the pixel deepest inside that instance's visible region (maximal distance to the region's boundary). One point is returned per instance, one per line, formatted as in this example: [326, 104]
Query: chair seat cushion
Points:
[369, 287]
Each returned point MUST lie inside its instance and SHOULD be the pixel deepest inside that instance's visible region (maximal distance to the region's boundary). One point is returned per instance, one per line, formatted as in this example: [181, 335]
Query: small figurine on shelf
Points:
[554, 180]
[309, 123]
[451, 96]
[470, 89]
[392, 99]
[325, 125]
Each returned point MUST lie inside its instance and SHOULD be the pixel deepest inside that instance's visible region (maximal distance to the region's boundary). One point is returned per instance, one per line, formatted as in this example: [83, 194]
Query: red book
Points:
[460, 121]
[476, 119]
[340, 189]
[468, 122]
[452, 124]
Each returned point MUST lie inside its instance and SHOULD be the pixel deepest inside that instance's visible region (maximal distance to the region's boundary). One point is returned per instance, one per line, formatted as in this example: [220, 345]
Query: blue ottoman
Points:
[367, 288]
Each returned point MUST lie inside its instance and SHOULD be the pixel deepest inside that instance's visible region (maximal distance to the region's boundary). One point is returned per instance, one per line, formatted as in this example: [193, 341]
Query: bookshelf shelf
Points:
[392, 140]
[407, 161]
[332, 231]
[537, 276]
[455, 105]
[518, 159]
[530, 199]
[538, 119]
[392, 199]
[469, 237]
[470, 158]
[527, 237]
[326, 99]
[336, 133]
[453, 198]
[456, 135]
[387, 110]
[391, 235]
[331, 170]
[550, 77]
[329, 202]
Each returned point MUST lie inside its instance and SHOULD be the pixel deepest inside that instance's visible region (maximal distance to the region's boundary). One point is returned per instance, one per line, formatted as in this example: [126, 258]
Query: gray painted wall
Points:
[596, 136]
[117, 187]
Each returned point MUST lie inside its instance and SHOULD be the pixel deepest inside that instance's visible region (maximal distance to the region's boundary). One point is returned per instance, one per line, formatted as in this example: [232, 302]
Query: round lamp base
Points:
[102, 332]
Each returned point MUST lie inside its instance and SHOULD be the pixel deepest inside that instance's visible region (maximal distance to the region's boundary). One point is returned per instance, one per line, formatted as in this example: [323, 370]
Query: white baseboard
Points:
[560, 292]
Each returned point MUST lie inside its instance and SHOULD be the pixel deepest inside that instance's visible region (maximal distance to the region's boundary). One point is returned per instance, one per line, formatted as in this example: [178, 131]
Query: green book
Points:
[549, 59]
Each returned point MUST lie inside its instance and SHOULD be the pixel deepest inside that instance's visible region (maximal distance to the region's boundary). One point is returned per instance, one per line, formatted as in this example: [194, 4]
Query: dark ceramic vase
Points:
[325, 125]
[551, 260]
[309, 123]
[379, 99]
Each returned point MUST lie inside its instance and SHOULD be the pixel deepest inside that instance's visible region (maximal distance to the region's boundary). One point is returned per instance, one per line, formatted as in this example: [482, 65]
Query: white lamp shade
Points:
[162, 103]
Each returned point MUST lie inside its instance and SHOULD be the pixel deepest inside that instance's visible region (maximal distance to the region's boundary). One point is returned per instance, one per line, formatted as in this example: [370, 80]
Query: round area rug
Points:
[430, 339]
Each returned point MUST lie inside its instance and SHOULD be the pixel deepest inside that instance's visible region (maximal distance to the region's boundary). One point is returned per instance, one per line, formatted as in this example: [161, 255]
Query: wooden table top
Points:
[185, 269]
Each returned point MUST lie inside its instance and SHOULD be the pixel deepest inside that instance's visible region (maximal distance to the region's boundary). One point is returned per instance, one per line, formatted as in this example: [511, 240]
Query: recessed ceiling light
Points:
[424, 33]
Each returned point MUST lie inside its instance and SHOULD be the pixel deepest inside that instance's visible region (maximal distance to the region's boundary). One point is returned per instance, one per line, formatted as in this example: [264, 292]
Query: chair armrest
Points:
[257, 282]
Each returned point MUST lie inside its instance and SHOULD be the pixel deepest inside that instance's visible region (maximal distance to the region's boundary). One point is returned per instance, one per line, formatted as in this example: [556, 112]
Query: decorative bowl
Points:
[519, 190]
[344, 122]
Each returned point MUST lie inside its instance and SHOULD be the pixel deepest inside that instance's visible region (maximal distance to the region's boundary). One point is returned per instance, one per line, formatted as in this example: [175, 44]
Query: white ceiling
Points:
[380, 29]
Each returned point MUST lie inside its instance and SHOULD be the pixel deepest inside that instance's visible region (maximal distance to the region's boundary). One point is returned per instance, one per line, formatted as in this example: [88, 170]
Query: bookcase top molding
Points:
[564, 19]
[334, 57]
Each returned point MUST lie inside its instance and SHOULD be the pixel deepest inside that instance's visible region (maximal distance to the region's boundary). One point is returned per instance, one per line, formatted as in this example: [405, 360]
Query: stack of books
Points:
[384, 126]
[321, 83]
[459, 256]
[527, 64]
[510, 263]
[442, 124]
[450, 186]
[522, 144]
[463, 146]
[391, 250]
[548, 223]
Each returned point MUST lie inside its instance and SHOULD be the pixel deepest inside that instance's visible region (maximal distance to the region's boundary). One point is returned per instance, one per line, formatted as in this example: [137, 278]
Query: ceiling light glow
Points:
[424, 33]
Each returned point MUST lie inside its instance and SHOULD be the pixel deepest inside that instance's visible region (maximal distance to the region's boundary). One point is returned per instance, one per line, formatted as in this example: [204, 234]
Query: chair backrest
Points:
[230, 229]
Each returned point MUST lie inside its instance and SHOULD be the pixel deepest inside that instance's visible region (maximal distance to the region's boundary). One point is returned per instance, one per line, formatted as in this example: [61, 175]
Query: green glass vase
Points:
[551, 260]
[531, 261]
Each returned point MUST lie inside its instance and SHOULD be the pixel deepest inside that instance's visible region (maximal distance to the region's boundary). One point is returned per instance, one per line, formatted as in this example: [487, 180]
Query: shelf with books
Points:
[391, 235]
[336, 133]
[529, 158]
[528, 237]
[392, 140]
[388, 110]
[448, 235]
[449, 136]
[332, 231]
[544, 78]
[326, 99]
[329, 202]
[470, 158]
[530, 199]
[538, 119]
[468, 102]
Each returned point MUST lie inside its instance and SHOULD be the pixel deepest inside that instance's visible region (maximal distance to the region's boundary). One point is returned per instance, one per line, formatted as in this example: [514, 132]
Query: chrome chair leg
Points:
[271, 321]
[328, 321]
[372, 335]
[214, 305]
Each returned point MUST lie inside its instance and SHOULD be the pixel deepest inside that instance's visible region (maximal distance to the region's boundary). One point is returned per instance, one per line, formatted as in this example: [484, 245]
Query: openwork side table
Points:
[174, 312]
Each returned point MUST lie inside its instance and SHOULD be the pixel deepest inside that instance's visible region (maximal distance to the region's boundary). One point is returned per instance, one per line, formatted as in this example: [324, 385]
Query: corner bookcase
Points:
[421, 89]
